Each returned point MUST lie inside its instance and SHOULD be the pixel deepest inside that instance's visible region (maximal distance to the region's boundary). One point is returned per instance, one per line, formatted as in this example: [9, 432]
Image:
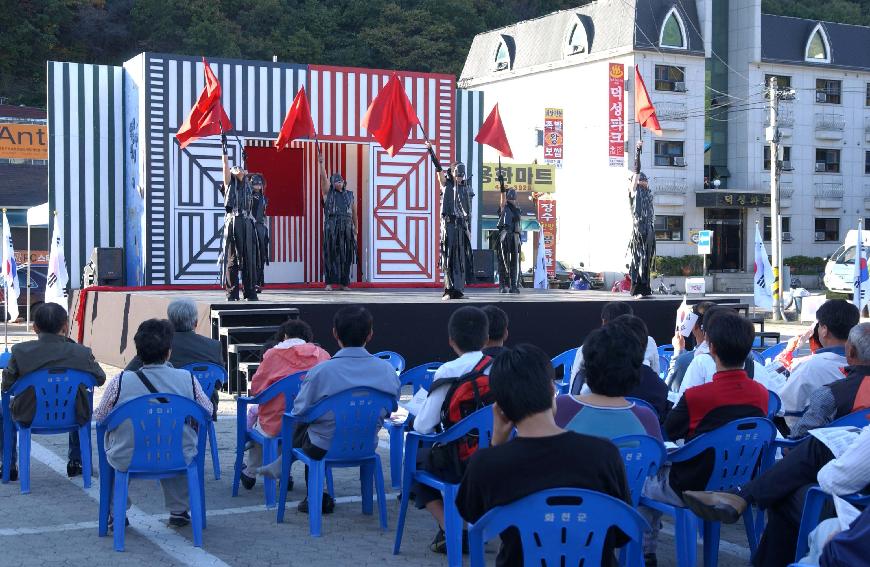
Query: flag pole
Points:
[5, 290]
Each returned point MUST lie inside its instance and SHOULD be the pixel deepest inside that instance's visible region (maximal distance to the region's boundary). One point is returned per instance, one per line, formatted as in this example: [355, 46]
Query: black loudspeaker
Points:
[484, 266]
[108, 266]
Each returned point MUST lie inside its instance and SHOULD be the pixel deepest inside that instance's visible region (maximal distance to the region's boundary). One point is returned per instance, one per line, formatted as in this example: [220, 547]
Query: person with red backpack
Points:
[460, 387]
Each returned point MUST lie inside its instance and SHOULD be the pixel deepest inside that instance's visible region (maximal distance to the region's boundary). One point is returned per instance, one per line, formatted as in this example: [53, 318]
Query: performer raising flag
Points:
[644, 110]
[861, 280]
[9, 273]
[207, 117]
[390, 117]
[763, 280]
[298, 123]
[55, 289]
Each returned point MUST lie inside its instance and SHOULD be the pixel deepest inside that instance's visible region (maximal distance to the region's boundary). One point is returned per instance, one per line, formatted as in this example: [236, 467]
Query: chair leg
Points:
[196, 504]
[237, 468]
[815, 500]
[408, 467]
[24, 460]
[119, 508]
[212, 441]
[366, 481]
[270, 453]
[452, 527]
[87, 462]
[753, 520]
[200, 472]
[686, 534]
[316, 473]
[330, 487]
[8, 436]
[107, 477]
[286, 461]
[382, 495]
[397, 449]
[711, 544]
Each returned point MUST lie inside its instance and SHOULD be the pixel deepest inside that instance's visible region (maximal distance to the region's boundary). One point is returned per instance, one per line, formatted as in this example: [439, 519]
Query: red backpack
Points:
[466, 394]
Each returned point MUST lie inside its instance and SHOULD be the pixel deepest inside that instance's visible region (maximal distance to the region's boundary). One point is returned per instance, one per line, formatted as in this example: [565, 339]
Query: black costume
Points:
[261, 225]
[643, 237]
[239, 250]
[339, 240]
[509, 244]
[455, 229]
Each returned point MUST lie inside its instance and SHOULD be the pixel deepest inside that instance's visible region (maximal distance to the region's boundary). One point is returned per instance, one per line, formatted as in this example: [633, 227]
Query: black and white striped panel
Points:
[469, 117]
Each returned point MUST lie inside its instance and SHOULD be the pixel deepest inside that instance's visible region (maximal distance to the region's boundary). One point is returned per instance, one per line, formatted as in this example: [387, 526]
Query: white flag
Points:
[541, 264]
[860, 281]
[9, 273]
[686, 318]
[763, 281]
[57, 277]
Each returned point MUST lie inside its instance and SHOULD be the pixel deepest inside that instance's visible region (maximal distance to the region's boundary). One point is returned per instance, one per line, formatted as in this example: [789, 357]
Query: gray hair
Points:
[182, 314]
[859, 338]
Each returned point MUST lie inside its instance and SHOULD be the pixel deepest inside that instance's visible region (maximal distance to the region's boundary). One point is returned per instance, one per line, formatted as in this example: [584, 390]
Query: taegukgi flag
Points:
[861, 280]
[763, 280]
[541, 264]
[57, 277]
[9, 273]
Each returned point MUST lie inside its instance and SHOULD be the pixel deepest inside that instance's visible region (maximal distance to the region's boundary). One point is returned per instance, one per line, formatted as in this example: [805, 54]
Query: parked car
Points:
[563, 279]
[38, 276]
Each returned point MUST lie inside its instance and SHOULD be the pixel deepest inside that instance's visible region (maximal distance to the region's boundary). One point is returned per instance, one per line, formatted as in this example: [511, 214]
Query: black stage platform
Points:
[412, 322]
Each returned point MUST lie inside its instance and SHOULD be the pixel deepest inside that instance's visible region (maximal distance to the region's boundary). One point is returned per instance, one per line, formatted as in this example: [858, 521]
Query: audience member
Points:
[351, 367]
[613, 360]
[731, 395]
[291, 353]
[542, 455]
[153, 342]
[681, 357]
[51, 349]
[835, 317]
[498, 330]
[851, 547]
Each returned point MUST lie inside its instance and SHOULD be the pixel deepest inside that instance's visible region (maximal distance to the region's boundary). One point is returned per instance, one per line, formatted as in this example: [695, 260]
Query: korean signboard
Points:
[521, 176]
[616, 115]
[547, 218]
[731, 199]
[23, 141]
[553, 136]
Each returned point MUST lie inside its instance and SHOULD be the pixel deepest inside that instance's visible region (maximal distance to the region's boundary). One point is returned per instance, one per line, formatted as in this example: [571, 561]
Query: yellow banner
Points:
[23, 141]
[521, 176]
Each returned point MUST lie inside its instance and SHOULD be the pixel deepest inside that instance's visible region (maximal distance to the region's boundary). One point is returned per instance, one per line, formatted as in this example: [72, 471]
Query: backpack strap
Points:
[118, 393]
[484, 363]
[147, 383]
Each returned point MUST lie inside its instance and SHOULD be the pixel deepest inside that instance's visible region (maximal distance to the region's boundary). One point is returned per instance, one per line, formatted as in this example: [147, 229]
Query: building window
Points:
[670, 78]
[786, 158]
[828, 91]
[669, 228]
[577, 40]
[867, 163]
[827, 230]
[827, 160]
[786, 228]
[673, 32]
[669, 153]
[817, 46]
[782, 82]
[502, 57]
[867, 96]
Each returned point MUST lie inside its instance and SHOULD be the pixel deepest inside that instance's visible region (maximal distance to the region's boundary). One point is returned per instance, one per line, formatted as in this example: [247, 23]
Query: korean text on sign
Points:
[547, 219]
[616, 115]
[553, 136]
[537, 177]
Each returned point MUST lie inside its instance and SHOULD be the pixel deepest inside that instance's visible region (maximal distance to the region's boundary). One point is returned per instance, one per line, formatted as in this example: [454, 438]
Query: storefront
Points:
[725, 213]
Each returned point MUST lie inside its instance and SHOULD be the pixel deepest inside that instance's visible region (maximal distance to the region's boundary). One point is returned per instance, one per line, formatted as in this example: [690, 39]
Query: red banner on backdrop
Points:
[554, 139]
[547, 218]
[616, 115]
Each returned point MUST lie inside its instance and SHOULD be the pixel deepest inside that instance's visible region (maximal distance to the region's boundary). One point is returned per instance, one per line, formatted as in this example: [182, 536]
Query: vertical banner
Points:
[553, 136]
[547, 219]
[616, 115]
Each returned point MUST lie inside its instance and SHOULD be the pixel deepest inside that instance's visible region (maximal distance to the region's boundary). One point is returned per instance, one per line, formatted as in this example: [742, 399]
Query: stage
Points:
[412, 322]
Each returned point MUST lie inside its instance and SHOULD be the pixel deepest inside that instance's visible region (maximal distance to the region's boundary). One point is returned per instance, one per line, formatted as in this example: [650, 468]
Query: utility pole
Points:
[772, 136]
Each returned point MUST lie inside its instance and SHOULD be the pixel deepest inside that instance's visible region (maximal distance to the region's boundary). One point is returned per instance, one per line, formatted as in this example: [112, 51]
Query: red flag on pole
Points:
[492, 134]
[390, 117]
[207, 117]
[298, 123]
[644, 110]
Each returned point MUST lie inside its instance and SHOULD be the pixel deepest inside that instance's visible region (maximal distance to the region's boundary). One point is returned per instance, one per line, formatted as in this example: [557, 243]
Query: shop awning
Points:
[491, 223]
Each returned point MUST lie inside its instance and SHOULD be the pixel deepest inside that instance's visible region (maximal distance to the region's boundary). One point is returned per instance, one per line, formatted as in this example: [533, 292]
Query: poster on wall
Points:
[547, 218]
[616, 115]
[553, 136]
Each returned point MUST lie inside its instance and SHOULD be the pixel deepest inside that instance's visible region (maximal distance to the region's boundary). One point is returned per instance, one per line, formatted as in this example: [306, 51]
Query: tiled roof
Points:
[784, 40]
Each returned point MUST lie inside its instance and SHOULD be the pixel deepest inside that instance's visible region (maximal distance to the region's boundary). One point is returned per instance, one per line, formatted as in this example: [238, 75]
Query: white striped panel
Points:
[262, 87]
[363, 97]
[106, 153]
[238, 109]
[226, 78]
[87, 162]
[338, 91]
[252, 100]
[58, 131]
[431, 128]
[327, 113]
[278, 106]
[313, 93]
[75, 143]
[350, 107]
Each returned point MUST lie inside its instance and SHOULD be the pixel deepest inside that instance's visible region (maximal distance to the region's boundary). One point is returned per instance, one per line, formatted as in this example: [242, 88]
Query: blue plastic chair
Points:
[770, 353]
[642, 455]
[565, 361]
[774, 404]
[358, 414]
[418, 377]
[815, 500]
[664, 364]
[55, 390]
[642, 403]
[738, 447]
[756, 356]
[396, 360]
[666, 351]
[158, 423]
[480, 421]
[210, 376]
[289, 387]
[560, 526]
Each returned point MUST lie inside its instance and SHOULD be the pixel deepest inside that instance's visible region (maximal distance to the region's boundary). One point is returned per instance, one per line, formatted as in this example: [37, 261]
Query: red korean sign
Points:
[616, 115]
[547, 218]
[553, 136]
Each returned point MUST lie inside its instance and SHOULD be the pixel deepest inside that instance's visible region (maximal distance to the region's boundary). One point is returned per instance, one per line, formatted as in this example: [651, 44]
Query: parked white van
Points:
[840, 268]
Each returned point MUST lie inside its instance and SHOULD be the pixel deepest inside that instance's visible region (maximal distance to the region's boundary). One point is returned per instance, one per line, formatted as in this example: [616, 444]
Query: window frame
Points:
[766, 227]
[866, 164]
[505, 65]
[826, 45]
[670, 230]
[673, 13]
[828, 231]
[668, 156]
[670, 81]
[765, 156]
[828, 164]
[826, 90]
[577, 27]
[779, 82]
[867, 96]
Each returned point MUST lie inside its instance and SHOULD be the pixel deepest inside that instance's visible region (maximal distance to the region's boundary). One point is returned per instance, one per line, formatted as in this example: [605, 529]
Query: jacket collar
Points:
[352, 352]
[51, 338]
[841, 350]
[728, 375]
[859, 370]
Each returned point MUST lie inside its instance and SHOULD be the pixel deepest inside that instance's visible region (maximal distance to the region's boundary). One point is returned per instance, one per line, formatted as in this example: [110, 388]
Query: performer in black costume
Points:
[339, 229]
[239, 249]
[261, 223]
[508, 240]
[643, 237]
[456, 197]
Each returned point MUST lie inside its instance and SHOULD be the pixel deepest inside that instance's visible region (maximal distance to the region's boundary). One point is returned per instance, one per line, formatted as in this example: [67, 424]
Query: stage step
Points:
[249, 317]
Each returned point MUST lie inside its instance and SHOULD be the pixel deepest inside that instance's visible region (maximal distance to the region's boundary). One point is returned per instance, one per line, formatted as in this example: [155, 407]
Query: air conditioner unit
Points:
[786, 165]
[680, 162]
[820, 235]
[821, 167]
[786, 236]
[679, 86]
[821, 96]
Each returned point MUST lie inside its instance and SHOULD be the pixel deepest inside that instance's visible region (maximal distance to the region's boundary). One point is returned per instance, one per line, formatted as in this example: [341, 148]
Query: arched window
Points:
[818, 49]
[673, 31]
[577, 40]
[502, 56]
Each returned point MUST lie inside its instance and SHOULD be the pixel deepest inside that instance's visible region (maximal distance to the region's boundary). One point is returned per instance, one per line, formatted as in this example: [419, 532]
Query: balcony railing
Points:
[785, 116]
[829, 191]
[867, 125]
[670, 185]
[671, 110]
[786, 189]
[825, 121]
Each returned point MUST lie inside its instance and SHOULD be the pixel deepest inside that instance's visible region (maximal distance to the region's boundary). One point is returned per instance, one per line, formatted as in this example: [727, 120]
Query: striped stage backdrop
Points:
[469, 118]
[86, 158]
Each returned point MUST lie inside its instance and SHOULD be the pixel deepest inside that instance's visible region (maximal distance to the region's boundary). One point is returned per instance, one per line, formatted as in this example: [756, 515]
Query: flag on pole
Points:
[207, 117]
[390, 117]
[9, 272]
[763, 280]
[55, 287]
[541, 264]
[298, 123]
[861, 281]
[492, 134]
[644, 110]
[686, 318]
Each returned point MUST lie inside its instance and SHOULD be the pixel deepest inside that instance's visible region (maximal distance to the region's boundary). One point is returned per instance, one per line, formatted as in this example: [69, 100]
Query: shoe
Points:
[328, 287]
[232, 298]
[439, 544]
[111, 523]
[345, 288]
[73, 468]
[247, 481]
[650, 560]
[515, 290]
[252, 297]
[503, 289]
[447, 295]
[454, 294]
[328, 506]
[179, 519]
[717, 506]
[13, 473]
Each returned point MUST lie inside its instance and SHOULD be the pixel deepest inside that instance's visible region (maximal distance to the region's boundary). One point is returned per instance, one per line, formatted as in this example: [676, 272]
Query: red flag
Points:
[390, 117]
[492, 134]
[207, 115]
[298, 123]
[644, 111]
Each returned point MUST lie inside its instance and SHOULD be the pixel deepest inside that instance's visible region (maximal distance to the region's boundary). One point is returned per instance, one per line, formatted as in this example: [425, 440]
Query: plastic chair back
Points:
[774, 404]
[209, 375]
[56, 390]
[664, 364]
[666, 351]
[396, 360]
[858, 418]
[643, 404]
[358, 413]
[158, 422]
[770, 353]
[642, 455]
[289, 386]
[420, 376]
[565, 361]
[561, 526]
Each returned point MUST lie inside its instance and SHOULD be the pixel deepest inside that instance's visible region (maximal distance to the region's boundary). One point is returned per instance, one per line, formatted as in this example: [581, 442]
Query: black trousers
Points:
[241, 256]
[302, 441]
[509, 259]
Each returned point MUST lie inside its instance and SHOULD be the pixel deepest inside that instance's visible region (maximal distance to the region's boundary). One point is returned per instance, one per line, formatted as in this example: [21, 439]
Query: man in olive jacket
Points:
[51, 349]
